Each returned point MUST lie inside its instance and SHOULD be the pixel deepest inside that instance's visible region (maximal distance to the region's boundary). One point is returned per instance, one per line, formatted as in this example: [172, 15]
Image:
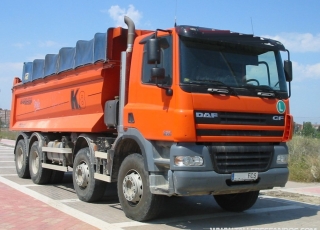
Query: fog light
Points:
[282, 159]
[188, 161]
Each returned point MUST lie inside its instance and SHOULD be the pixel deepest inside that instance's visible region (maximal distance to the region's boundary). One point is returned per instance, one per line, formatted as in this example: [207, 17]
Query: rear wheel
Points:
[87, 188]
[21, 160]
[39, 175]
[237, 202]
[137, 202]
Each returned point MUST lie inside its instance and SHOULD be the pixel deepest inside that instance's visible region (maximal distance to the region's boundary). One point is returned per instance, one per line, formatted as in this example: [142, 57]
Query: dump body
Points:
[66, 92]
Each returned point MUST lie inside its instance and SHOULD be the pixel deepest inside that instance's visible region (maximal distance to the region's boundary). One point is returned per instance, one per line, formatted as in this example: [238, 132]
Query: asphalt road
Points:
[196, 212]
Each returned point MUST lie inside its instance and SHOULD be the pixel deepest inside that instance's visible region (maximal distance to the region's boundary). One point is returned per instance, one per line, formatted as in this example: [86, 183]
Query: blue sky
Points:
[31, 29]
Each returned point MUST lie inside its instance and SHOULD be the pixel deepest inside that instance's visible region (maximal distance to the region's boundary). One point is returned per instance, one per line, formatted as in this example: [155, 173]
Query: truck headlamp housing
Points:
[282, 159]
[188, 161]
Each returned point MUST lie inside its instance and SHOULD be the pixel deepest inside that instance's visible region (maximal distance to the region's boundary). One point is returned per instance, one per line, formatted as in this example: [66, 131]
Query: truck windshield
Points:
[241, 67]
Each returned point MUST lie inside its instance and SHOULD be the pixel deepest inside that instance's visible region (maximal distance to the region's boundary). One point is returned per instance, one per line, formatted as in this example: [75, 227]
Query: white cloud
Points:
[296, 42]
[48, 44]
[9, 70]
[21, 44]
[302, 72]
[117, 14]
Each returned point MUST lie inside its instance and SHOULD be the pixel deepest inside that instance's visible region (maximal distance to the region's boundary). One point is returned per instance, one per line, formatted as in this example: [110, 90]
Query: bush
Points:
[304, 159]
[5, 133]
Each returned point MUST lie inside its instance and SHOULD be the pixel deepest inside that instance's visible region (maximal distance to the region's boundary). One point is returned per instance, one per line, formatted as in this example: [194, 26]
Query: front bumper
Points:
[206, 179]
[188, 183]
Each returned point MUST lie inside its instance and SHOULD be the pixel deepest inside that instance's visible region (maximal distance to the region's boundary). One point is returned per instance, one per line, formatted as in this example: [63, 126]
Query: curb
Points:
[7, 142]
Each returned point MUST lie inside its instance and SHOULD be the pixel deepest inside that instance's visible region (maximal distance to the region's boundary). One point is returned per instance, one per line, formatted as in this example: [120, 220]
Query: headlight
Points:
[188, 161]
[282, 159]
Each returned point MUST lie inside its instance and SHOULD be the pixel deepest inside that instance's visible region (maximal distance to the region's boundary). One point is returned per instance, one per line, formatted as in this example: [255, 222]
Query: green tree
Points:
[317, 132]
[308, 130]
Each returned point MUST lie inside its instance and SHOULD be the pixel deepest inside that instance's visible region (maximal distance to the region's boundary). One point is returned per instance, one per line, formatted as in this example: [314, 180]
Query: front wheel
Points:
[137, 202]
[237, 202]
[87, 188]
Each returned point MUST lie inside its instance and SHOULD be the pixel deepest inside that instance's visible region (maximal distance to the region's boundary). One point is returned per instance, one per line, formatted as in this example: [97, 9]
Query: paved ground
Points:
[28, 206]
[7, 142]
[19, 211]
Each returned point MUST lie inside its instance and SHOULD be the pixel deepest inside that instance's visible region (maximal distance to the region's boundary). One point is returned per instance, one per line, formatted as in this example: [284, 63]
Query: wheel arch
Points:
[22, 136]
[84, 141]
[125, 147]
[145, 147]
[33, 138]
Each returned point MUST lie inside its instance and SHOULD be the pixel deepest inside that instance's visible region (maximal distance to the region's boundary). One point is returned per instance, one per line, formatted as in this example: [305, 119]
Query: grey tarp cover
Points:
[50, 64]
[85, 52]
[66, 59]
[38, 69]
[27, 72]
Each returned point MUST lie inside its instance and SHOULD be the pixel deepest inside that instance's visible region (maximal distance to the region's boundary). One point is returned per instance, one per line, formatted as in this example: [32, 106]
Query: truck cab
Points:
[211, 110]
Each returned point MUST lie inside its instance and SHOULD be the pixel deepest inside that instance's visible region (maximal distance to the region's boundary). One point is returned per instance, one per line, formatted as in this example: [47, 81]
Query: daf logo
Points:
[206, 115]
[278, 118]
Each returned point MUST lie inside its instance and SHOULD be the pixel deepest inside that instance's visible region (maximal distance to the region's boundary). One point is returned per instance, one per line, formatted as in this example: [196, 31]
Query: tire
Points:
[56, 177]
[38, 174]
[21, 159]
[137, 202]
[237, 202]
[87, 188]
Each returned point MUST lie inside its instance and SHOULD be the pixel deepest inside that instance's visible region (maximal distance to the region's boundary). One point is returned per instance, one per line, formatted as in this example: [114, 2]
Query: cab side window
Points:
[166, 63]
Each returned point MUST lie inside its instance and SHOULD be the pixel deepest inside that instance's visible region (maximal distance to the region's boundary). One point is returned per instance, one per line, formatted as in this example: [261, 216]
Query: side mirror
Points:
[153, 51]
[288, 70]
[157, 73]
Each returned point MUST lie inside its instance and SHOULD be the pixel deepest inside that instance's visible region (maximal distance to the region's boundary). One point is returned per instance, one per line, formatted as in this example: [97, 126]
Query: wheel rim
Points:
[35, 162]
[132, 187]
[19, 157]
[82, 175]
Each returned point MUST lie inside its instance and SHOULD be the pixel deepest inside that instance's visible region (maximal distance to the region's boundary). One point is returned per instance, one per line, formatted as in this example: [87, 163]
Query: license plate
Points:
[249, 176]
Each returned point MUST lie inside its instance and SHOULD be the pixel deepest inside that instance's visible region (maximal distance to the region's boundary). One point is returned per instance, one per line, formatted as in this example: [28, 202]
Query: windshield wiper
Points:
[228, 89]
[267, 91]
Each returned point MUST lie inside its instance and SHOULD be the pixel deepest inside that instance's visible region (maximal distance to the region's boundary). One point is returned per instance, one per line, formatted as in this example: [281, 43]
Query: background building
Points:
[4, 118]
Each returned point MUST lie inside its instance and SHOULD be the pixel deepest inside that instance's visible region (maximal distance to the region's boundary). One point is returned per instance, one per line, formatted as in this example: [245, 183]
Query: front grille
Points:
[242, 119]
[231, 118]
[241, 158]
[252, 133]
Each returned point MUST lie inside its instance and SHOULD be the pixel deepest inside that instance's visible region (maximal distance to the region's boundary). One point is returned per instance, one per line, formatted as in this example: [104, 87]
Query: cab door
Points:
[149, 108]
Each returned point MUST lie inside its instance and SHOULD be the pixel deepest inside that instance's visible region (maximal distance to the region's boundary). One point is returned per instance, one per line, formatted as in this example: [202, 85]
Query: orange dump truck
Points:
[177, 112]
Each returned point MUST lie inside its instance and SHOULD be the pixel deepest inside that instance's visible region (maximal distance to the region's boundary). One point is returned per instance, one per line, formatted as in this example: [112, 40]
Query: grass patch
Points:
[7, 134]
[304, 159]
